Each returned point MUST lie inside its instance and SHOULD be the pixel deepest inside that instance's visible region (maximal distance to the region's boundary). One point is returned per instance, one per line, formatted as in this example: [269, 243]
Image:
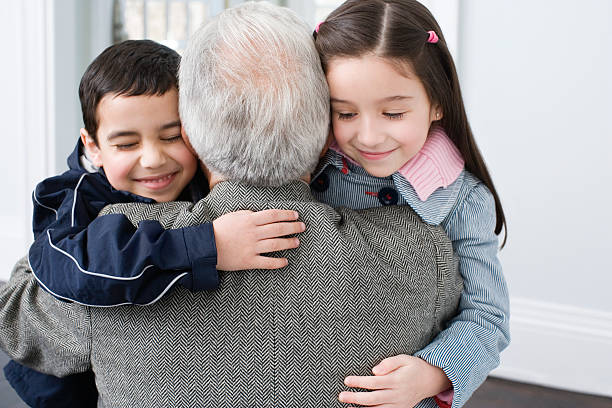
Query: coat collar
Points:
[296, 190]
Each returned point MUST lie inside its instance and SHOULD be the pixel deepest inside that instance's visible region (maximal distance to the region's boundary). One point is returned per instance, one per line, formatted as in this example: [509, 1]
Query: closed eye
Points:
[399, 115]
[172, 138]
[346, 116]
[125, 146]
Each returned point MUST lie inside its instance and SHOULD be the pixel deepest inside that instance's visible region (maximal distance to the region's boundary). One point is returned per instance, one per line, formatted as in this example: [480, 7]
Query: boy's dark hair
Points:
[130, 68]
[398, 30]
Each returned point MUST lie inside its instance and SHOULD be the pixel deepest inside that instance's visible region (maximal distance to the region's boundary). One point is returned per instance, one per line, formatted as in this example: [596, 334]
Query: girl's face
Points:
[380, 118]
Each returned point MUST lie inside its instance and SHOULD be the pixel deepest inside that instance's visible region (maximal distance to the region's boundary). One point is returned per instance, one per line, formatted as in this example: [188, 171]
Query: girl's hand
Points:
[242, 237]
[400, 381]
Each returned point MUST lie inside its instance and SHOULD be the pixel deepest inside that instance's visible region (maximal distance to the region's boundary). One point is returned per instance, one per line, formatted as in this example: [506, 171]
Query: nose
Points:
[369, 135]
[152, 156]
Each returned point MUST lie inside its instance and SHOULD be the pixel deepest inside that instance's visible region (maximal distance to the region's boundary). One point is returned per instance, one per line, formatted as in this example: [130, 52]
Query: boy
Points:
[131, 150]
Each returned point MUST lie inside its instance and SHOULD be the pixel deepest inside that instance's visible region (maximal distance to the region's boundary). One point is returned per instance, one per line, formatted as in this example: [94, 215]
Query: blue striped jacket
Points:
[469, 348]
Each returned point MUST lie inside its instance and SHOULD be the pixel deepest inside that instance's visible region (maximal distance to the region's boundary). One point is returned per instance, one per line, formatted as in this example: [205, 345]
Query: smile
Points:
[158, 182]
[375, 155]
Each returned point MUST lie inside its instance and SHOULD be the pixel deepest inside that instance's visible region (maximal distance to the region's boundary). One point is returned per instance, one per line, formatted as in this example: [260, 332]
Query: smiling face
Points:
[140, 145]
[380, 118]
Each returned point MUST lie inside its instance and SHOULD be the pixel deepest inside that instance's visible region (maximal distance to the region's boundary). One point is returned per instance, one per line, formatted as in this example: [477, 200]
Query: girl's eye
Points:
[346, 116]
[173, 138]
[394, 115]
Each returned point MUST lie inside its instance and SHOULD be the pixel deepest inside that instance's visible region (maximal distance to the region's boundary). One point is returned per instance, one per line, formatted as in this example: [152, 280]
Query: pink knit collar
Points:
[437, 164]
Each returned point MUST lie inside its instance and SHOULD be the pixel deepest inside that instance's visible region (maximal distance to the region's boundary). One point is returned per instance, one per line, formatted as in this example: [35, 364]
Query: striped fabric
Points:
[469, 348]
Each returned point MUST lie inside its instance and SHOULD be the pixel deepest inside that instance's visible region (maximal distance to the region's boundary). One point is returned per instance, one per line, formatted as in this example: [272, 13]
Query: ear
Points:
[93, 151]
[436, 113]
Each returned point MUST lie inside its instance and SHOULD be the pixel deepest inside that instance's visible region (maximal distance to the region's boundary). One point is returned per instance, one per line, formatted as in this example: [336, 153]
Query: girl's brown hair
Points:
[398, 30]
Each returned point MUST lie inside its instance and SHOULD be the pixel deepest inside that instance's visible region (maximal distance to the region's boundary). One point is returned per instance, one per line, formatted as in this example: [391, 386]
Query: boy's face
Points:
[140, 145]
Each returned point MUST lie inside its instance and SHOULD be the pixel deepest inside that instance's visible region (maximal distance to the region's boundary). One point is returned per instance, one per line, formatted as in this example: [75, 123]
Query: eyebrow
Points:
[396, 98]
[387, 99]
[170, 125]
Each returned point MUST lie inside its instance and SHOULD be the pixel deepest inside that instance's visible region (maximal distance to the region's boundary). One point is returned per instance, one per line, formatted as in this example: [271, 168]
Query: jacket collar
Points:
[437, 164]
[293, 191]
[74, 160]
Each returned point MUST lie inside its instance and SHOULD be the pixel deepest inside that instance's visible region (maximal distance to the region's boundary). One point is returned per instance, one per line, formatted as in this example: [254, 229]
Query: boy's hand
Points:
[400, 381]
[242, 237]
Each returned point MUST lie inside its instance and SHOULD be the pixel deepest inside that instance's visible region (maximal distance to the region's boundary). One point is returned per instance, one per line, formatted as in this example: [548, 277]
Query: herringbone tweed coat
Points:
[362, 286]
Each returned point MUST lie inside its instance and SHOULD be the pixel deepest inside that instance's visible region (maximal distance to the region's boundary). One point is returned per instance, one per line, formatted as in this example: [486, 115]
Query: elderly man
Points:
[362, 286]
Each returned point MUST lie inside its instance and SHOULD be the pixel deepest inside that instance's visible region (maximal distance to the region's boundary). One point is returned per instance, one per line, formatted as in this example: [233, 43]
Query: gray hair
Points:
[253, 96]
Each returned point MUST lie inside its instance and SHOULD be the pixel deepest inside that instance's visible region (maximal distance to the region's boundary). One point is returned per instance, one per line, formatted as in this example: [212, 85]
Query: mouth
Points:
[158, 182]
[375, 155]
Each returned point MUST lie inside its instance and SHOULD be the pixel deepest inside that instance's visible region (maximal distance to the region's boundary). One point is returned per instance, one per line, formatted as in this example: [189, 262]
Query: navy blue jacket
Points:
[104, 261]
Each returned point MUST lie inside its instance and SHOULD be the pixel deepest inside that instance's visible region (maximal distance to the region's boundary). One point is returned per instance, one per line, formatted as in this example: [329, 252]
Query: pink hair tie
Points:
[317, 27]
[433, 37]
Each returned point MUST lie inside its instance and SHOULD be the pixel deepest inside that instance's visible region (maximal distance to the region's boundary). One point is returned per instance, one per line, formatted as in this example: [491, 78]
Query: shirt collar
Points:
[437, 164]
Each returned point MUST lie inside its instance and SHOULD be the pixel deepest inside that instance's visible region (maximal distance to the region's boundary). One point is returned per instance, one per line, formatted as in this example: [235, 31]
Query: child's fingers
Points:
[367, 382]
[264, 262]
[390, 364]
[269, 216]
[279, 229]
[369, 399]
[279, 244]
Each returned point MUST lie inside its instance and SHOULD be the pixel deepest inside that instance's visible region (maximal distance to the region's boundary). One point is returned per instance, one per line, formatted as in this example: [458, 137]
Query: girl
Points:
[401, 136]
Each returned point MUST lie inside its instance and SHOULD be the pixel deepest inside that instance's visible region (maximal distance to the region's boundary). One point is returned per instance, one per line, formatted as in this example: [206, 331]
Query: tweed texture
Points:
[362, 286]
[40, 331]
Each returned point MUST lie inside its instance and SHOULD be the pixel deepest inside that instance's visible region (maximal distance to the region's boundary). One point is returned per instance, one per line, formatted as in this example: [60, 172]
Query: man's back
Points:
[362, 286]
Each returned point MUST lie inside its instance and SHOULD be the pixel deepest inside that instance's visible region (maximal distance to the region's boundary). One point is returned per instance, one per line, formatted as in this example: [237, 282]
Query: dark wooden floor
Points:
[494, 393]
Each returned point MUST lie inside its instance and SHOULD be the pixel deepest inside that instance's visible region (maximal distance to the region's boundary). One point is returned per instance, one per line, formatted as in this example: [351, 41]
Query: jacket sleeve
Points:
[39, 331]
[469, 348]
[107, 261]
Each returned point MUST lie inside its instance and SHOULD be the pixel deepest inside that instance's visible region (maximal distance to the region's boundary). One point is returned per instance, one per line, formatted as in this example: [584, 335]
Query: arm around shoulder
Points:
[109, 261]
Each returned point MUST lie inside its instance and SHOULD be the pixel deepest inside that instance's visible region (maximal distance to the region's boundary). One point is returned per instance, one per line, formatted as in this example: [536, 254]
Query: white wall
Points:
[82, 29]
[537, 81]
[12, 211]
[25, 121]
[49, 44]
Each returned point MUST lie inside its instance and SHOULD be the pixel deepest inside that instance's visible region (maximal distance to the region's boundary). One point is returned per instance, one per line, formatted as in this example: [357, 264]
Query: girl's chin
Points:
[378, 171]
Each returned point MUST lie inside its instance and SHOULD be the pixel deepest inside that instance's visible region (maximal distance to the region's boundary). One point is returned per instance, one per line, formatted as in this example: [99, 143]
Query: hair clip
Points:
[433, 37]
[317, 27]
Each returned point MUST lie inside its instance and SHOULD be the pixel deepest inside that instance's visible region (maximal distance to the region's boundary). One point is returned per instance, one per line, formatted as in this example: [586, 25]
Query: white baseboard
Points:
[559, 346]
